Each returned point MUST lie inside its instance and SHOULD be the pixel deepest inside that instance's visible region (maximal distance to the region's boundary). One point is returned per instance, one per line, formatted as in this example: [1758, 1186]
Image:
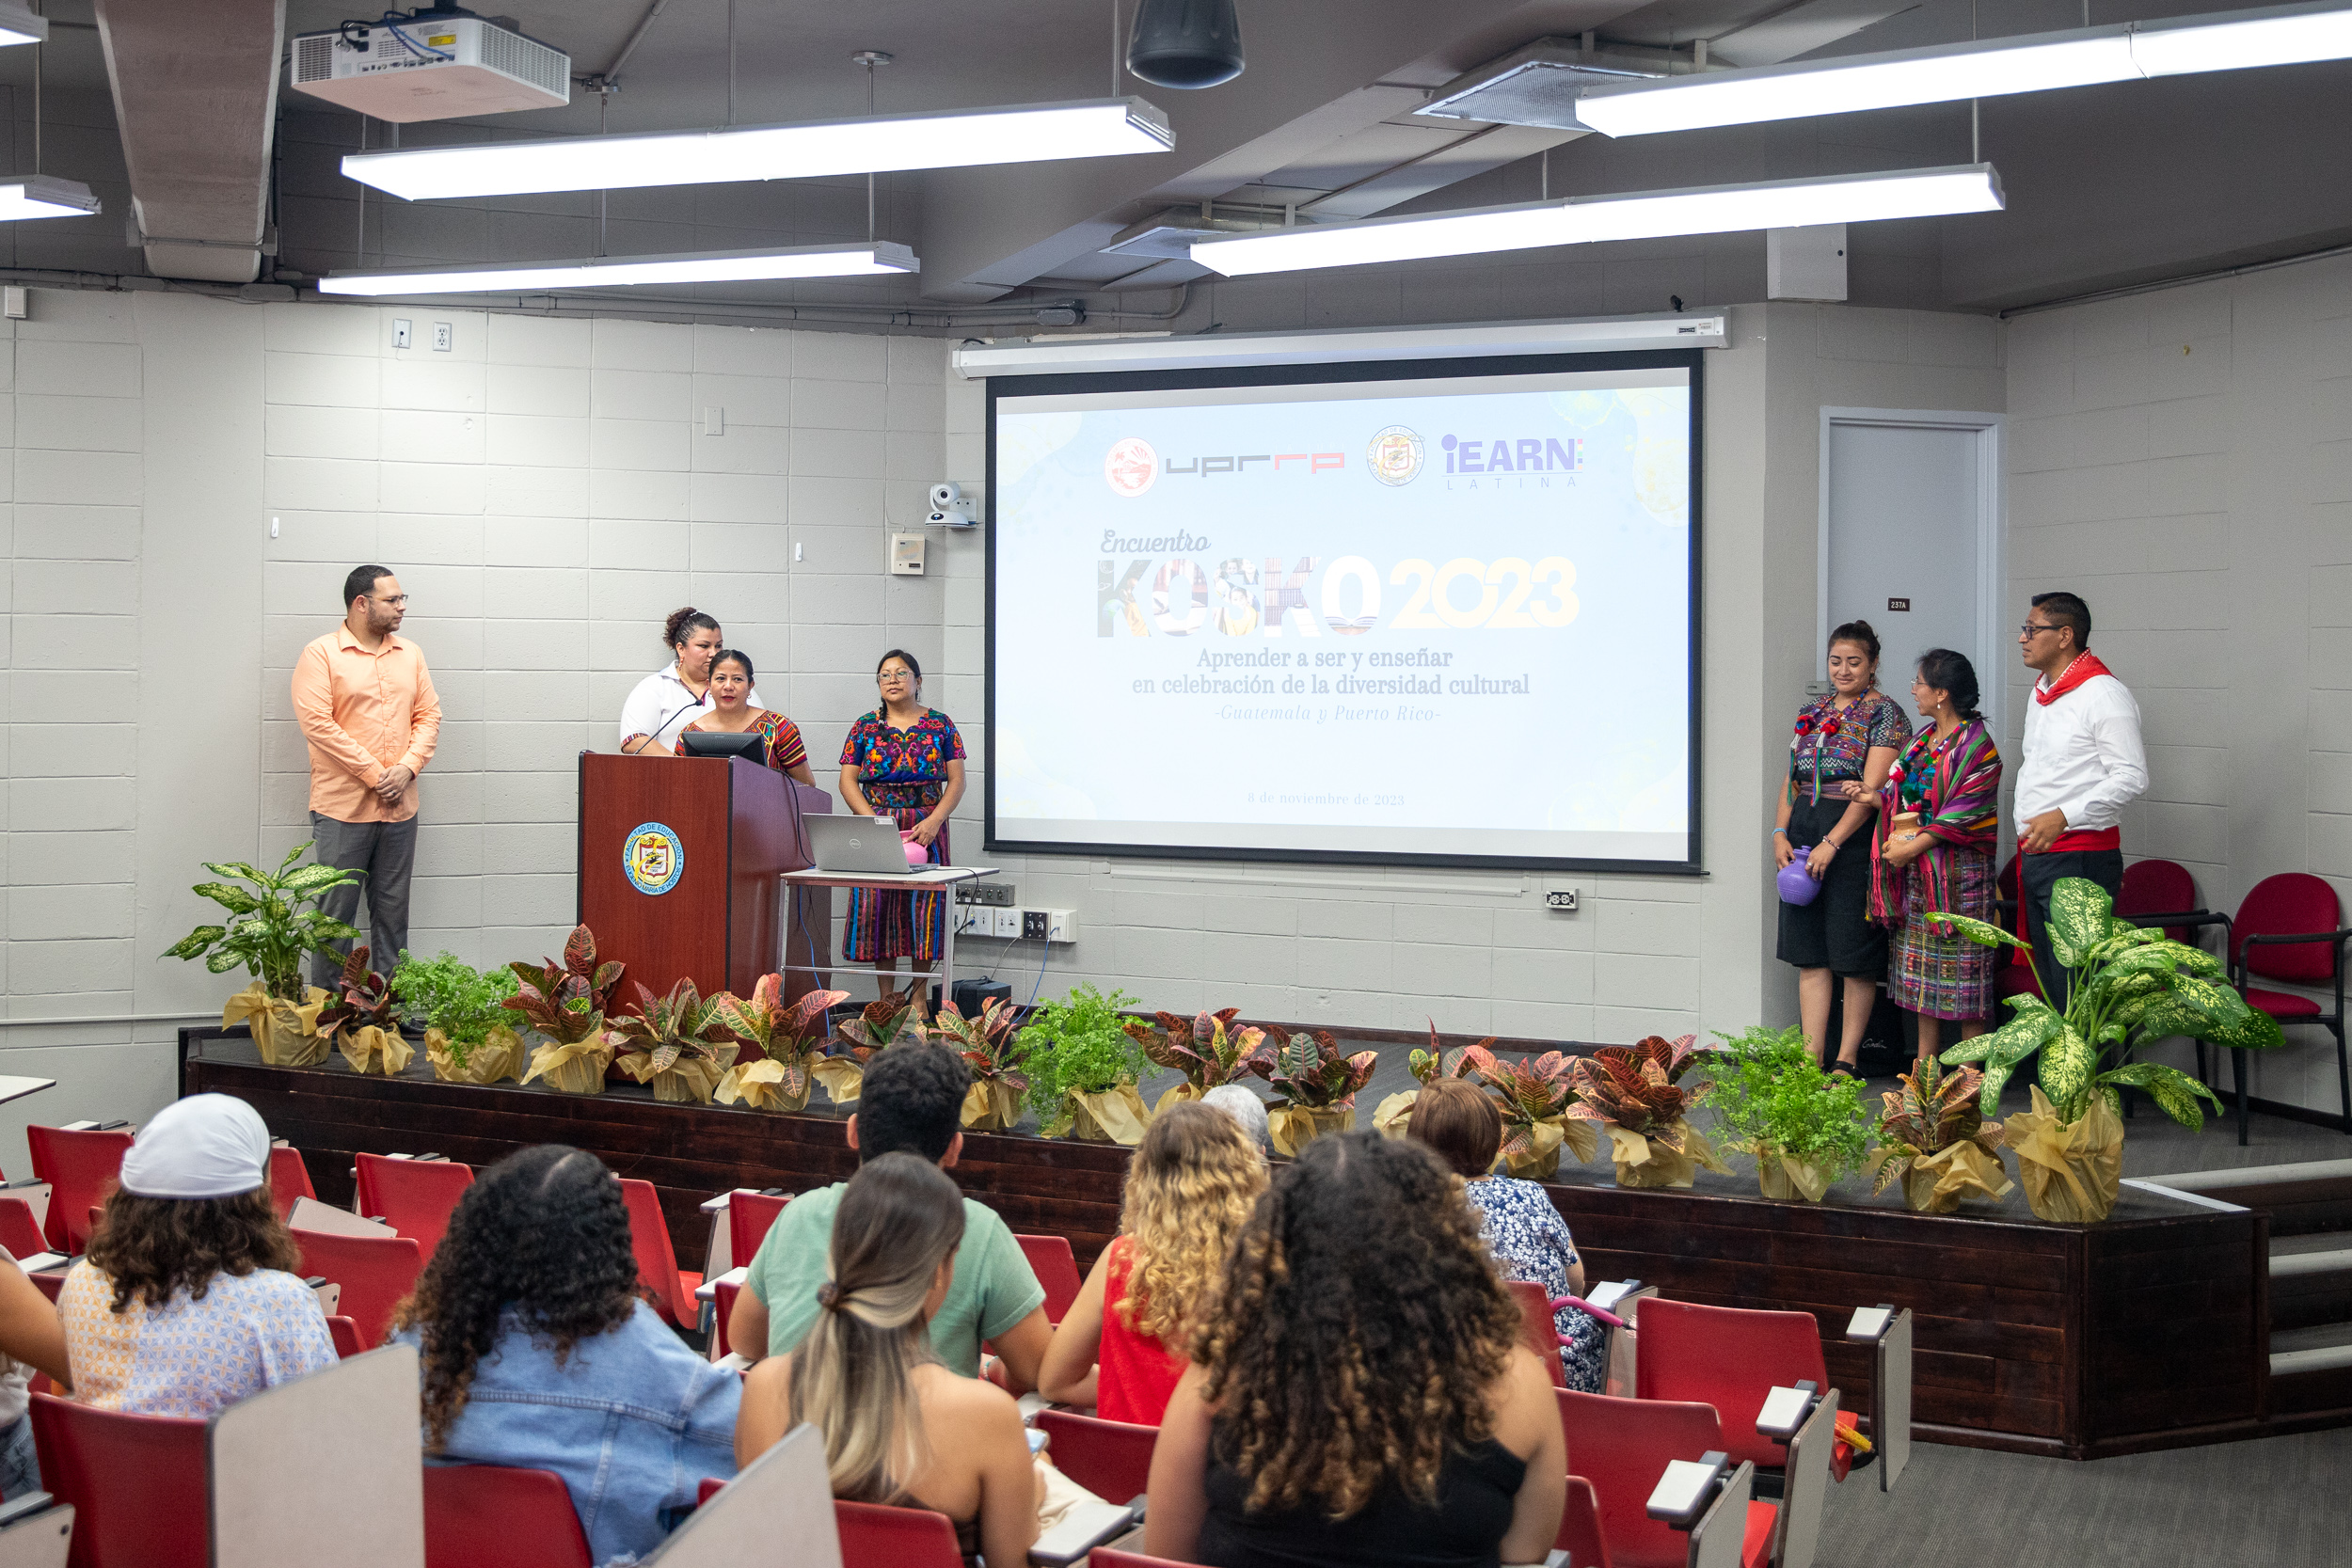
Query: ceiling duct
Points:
[1168, 235]
[1538, 84]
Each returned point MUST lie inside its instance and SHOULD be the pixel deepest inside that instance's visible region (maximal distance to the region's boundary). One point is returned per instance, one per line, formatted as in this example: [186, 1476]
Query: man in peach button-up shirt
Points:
[366, 705]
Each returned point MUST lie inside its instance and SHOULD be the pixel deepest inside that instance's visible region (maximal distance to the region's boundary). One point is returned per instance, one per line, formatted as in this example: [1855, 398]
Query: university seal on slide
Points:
[1394, 455]
[1130, 465]
[652, 858]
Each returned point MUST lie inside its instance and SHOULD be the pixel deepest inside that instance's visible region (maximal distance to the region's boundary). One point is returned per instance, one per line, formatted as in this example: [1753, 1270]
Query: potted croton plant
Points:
[1083, 1068]
[274, 924]
[1535, 1095]
[1934, 1138]
[1395, 1114]
[469, 1036]
[990, 1047]
[565, 1001]
[1209, 1050]
[364, 1021]
[790, 1041]
[882, 1024]
[2129, 986]
[1635, 1094]
[1317, 1081]
[1805, 1128]
[674, 1042]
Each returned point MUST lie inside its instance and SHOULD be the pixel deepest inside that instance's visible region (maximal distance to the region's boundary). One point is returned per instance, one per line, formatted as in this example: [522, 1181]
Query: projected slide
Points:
[1433, 620]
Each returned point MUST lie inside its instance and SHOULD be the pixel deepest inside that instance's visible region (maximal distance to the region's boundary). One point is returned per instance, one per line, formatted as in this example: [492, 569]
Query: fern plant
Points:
[274, 921]
[1772, 1098]
[1079, 1045]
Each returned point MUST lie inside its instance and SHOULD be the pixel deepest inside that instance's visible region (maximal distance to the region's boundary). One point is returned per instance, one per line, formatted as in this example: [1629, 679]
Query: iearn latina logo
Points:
[1394, 455]
[1130, 465]
[652, 858]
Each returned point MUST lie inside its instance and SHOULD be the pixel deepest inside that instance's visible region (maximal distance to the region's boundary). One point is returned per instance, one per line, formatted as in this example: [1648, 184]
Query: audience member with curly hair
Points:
[1190, 1186]
[1360, 1395]
[900, 1428]
[537, 1352]
[188, 1300]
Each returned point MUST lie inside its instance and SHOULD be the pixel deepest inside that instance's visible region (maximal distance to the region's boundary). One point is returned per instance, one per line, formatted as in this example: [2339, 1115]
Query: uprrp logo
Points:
[1394, 455]
[652, 857]
[1130, 465]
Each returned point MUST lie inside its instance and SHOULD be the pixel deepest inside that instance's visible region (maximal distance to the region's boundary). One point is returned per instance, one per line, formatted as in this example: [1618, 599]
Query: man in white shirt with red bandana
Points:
[2083, 764]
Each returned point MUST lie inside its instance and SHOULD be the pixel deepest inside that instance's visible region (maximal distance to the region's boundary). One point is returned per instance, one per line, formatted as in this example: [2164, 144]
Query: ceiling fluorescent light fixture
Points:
[869, 259]
[1587, 219]
[1097, 128]
[41, 195]
[1992, 67]
[20, 26]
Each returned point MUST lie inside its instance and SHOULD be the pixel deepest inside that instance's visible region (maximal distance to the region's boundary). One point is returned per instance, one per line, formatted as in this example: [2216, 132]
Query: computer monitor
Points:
[751, 745]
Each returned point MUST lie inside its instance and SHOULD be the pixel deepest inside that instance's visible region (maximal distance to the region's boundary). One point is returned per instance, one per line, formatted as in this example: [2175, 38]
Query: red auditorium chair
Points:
[289, 1179]
[346, 1334]
[1057, 1269]
[656, 1265]
[1110, 1459]
[413, 1196]
[81, 1169]
[749, 1215]
[873, 1536]
[375, 1271]
[19, 1231]
[1539, 1331]
[1729, 1357]
[2288, 928]
[1580, 1535]
[476, 1514]
[1621, 1446]
[136, 1484]
[1110, 1557]
[723, 1303]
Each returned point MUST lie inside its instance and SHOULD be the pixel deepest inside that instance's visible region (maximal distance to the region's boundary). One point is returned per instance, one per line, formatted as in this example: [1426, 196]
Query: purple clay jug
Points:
[1797, 885]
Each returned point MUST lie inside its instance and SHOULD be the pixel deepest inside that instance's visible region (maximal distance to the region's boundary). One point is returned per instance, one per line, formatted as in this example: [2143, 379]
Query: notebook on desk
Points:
[860, 846]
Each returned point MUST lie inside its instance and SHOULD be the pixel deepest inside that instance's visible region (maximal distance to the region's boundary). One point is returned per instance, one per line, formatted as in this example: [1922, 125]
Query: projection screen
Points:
[1442, 613]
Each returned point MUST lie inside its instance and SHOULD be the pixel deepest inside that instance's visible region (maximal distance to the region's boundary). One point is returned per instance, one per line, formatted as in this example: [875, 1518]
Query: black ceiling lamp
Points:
[1186, 43]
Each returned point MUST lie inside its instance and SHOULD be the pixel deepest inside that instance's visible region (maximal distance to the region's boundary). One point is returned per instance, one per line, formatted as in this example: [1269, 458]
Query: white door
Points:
[1909, 539]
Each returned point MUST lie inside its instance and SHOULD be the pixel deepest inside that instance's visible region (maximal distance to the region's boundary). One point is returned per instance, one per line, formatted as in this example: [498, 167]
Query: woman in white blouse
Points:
[673, 697]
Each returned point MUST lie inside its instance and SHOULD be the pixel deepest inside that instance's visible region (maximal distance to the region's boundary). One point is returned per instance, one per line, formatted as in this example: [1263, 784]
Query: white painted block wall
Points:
[2183, 460]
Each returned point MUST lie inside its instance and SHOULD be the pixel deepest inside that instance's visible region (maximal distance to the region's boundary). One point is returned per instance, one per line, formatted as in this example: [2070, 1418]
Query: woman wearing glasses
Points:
[903, 761]
[1838, 755]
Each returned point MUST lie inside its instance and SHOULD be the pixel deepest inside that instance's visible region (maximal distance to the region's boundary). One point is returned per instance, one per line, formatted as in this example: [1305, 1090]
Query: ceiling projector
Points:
[434, 64]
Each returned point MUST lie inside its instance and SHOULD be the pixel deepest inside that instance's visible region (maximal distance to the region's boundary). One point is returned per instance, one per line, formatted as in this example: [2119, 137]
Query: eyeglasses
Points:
[396, 600]
[2034, 629]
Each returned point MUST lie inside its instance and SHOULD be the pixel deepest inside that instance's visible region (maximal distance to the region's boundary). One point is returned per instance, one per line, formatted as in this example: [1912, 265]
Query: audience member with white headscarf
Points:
[188, 1301]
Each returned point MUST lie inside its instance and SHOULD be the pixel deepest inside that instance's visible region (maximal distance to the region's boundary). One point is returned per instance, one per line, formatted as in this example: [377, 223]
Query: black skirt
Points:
[1834, 932]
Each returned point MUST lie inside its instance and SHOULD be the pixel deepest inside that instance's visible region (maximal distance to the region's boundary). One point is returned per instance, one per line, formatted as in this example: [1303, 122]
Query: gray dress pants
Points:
[384, 853]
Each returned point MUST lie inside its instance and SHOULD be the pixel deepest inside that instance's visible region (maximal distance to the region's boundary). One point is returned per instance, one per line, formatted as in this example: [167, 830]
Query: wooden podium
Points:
[679, 861]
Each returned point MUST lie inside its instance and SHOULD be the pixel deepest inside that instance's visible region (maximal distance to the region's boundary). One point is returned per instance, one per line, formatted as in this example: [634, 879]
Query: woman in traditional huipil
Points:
[903, 761]
[1843, 744]
[734, 713]
[1938, 817]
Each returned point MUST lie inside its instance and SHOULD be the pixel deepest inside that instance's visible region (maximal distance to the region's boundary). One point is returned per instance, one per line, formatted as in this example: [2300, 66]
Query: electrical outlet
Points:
[996, 894]
[444, 336]
[1034, 923]
[1561, 898]
[400, 328]
[973, 921]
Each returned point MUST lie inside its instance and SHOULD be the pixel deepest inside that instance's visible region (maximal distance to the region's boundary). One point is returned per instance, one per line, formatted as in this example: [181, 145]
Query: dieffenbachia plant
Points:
[273, 925]
[2128, 986]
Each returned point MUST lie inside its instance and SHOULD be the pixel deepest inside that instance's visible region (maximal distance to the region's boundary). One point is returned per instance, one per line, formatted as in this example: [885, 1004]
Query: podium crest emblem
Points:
[652, 857]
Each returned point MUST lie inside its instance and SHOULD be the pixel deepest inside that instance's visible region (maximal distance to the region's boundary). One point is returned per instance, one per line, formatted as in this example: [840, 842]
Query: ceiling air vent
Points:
[1538, 85]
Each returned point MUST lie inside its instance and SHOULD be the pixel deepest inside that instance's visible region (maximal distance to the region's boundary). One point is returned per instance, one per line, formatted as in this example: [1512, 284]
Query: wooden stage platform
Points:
[2144, 1331]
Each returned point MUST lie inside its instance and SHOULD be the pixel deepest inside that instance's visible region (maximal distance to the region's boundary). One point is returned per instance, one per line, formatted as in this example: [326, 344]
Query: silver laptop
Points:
[868, 845]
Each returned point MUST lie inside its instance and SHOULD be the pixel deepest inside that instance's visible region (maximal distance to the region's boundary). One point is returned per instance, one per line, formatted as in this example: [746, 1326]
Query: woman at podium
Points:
[666, 699]
[903, 761]
[734, 711]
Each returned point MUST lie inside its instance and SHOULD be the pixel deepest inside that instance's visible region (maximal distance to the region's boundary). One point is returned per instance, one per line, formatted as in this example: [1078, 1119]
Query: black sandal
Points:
[1844, 1069]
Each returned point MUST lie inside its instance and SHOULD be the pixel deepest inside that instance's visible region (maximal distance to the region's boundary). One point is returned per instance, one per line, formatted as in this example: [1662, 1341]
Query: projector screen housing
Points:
[1464, 634]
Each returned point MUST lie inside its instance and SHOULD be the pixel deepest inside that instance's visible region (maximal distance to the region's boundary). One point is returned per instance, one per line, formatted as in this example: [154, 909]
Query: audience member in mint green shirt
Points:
[912, 1100]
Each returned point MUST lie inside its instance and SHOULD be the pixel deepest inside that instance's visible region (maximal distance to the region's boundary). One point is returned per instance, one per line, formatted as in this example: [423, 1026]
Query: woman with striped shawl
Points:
[1939, 816]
